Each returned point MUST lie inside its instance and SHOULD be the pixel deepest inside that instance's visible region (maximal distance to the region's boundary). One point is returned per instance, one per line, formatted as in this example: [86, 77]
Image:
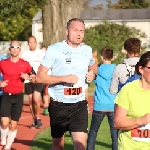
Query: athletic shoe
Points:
[39, 123]
[45, 111]
[33, 125]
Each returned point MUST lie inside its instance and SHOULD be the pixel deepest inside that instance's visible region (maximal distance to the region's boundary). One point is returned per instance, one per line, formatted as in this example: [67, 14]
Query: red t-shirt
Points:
[11, 71]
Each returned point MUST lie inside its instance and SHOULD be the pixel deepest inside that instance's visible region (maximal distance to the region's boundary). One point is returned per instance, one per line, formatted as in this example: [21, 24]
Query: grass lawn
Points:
[91, 88]
[43, 139]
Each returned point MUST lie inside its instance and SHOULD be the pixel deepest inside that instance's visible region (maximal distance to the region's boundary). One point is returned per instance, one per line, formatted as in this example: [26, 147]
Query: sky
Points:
[104, 2]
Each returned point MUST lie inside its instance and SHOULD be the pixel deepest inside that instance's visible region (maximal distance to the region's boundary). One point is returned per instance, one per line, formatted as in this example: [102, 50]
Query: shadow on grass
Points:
[45, 143]
[106, 145]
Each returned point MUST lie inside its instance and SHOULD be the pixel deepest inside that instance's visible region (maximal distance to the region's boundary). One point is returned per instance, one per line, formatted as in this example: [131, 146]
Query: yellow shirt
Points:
[137, 102]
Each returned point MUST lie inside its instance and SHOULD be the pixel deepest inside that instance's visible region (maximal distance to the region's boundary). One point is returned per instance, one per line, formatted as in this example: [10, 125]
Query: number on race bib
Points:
[140, 133]
[72, 91]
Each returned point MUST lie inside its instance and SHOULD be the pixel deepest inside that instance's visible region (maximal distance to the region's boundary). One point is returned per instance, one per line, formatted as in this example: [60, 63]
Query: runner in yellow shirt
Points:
[132, 110]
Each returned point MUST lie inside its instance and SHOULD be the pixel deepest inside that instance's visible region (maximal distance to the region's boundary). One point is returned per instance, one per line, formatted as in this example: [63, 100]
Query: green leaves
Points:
[110, 34]
[16, 16]
[130, 4]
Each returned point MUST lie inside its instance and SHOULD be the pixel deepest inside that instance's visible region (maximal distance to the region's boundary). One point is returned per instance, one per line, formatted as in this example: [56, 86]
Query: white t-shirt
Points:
[34, 58]
[63, 60]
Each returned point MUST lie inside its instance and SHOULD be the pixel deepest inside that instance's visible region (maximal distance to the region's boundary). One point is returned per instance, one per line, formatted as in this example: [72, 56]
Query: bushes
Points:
[113, 35]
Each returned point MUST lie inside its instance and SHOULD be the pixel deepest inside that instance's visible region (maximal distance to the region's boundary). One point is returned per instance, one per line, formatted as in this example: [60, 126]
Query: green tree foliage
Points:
[16, 16]
[113, 35]
[87, 5]
[129, 4]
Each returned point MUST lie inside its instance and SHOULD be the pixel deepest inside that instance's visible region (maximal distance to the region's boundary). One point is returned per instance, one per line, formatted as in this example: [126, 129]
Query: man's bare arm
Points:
[93, 68]
[43, 77]
[3, 83]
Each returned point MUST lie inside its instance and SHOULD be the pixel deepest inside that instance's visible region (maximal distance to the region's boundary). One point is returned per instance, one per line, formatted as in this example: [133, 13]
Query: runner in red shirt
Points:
[15, 71]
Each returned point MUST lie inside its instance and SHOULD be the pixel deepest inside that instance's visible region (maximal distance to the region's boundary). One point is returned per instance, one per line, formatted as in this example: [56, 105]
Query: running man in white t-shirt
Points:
[34, 56]
[69, 63]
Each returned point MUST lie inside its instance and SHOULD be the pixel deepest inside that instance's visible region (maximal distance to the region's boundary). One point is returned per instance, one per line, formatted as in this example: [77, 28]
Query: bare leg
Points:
[31, 105]
[36, 99]
[58, 143]
[46, 101]
[79, 140]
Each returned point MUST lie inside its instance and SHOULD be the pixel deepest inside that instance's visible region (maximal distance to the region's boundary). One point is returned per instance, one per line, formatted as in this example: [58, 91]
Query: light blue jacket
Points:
[103, 100]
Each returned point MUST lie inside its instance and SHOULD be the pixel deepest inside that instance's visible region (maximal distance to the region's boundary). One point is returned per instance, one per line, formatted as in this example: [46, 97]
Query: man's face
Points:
[14, 48]
[75, 32]
[32, 43]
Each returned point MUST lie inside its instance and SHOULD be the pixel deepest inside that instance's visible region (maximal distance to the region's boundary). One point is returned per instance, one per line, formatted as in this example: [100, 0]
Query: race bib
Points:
[141, 134]
[72, 91]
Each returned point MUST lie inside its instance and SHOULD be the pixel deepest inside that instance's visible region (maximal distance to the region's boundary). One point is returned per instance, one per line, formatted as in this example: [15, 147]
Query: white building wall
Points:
[37, 31]
[143, 26]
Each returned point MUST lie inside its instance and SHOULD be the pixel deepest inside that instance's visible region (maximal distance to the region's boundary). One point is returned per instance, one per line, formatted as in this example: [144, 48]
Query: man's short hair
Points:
[31, 37]
[15, 41]
[132, 45]
[107, 53]
[74, 19]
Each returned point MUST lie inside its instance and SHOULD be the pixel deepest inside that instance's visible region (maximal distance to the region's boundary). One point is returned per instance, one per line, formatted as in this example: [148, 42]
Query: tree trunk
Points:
[55, 16]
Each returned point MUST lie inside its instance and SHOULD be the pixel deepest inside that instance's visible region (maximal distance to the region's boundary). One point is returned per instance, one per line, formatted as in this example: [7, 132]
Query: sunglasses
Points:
[17, 47]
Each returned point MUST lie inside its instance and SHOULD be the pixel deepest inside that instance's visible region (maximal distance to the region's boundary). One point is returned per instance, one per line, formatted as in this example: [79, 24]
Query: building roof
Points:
[38, 16]
[108, 14]
[116, 14]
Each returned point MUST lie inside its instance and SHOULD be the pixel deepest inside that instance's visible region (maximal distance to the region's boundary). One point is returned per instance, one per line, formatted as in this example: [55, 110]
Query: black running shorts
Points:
[45, 89]
[11, 105]
[0, 100]
[31, 87]
[72, 117]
